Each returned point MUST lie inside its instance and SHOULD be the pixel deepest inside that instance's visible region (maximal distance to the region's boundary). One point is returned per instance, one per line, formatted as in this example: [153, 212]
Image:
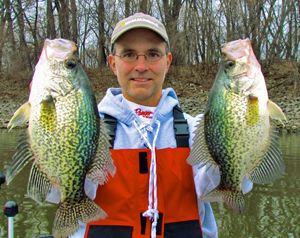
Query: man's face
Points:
[141, 81]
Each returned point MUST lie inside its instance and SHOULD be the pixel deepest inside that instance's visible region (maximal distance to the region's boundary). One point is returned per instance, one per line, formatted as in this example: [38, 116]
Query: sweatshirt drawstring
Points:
[152, 211]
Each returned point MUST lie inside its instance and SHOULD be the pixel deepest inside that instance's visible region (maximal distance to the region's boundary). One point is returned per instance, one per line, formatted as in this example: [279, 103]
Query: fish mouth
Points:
[59, 89]
[239, 75]
[239, 86]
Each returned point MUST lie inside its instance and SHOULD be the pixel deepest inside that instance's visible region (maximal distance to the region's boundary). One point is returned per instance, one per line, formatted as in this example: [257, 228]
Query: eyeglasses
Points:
[131, 57]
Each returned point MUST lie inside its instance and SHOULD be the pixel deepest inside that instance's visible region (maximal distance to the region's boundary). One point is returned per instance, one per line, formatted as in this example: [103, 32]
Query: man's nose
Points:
[141, 63]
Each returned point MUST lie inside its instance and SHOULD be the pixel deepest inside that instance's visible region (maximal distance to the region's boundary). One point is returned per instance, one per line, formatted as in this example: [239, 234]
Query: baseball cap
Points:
[139, 20]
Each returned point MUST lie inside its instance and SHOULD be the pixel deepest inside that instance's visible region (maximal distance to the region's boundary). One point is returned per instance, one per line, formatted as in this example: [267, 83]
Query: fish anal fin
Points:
[234, 199]
[39, 185]
[275, 111]
[20, 116]
[271, 166]
[102, 163]
[22, 156]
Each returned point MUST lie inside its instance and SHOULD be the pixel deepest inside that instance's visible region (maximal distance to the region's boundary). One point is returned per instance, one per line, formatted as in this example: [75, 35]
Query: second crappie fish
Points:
[66, 140]
[235, 132]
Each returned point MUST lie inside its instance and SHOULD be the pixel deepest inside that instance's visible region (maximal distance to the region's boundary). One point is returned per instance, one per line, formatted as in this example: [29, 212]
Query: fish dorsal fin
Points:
[271, 166]
[39, 185]
[275, 111]
[102, 163]
[20, 116]
[20, 158]
[200, 152]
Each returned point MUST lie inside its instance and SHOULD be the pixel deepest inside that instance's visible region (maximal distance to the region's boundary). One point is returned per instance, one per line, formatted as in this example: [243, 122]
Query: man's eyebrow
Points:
[126, 49]
[154, 49]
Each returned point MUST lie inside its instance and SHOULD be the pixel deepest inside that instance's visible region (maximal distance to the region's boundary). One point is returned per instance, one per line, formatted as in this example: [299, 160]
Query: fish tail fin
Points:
[69, 212]
[234, 199]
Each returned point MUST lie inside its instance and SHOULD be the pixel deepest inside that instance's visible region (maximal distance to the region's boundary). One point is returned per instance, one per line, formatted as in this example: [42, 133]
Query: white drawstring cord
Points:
[152, 211]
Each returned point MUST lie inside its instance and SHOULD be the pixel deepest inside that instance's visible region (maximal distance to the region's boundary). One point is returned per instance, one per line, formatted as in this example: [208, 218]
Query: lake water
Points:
[272, 210]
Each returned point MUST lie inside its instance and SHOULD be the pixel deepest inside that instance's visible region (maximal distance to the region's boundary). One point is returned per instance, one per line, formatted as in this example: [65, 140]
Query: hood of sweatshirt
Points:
[127, 135]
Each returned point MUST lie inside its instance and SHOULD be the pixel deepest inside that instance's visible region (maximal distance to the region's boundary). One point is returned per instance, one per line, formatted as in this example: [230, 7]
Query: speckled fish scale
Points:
[235, 132]
[66, 139]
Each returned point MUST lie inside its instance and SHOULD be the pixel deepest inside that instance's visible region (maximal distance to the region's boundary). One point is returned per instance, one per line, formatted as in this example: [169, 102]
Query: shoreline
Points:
[193, 105]
[191, 84]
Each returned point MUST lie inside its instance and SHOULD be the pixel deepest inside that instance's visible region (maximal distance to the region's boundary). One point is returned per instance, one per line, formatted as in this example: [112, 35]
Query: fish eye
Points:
[229, 64]
[70, 64]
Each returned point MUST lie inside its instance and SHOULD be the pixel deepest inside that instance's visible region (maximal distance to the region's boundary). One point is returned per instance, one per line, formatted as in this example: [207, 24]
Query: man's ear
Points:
[112, 63]
[169, 60]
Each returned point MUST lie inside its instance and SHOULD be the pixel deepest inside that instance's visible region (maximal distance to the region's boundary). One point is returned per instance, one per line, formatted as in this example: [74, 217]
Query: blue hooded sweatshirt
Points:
[128, 137]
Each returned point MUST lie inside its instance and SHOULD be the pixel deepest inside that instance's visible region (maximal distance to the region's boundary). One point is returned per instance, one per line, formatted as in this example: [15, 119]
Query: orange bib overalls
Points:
[125, 197]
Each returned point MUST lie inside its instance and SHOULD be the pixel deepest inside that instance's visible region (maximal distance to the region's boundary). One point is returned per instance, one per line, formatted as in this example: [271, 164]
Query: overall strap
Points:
[181, 128]
[111, 125]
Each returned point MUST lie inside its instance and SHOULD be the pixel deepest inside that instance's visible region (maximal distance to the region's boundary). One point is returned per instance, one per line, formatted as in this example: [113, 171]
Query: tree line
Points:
[197, 29]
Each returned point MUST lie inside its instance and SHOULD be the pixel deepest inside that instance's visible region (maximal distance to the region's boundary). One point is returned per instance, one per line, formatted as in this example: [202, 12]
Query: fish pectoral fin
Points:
[200, 152]
[48, 116]
[69, 212]
[252, 113]
[102, 163]
[271, 166]
[20, 116]
[22, 156]
[48, 100]
[275, 111]
[39, 185]
[234, 199]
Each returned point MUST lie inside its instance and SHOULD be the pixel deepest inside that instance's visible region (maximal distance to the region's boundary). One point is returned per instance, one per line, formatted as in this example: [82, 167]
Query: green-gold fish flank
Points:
[235, 132]
[66, 140]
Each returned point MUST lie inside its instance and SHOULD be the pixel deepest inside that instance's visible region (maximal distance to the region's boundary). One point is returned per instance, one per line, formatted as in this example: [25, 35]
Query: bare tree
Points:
[2, 32]
[171, 19]
[101, 34]
[62, 7]
[83, 20]
[74, 35]
[291, 43]
[24, 51]
[196, 29]
[143, 6]
[51, 33]
[276, 45]
[11, 42]
[252, 23]
[34, 32]
[127, 8]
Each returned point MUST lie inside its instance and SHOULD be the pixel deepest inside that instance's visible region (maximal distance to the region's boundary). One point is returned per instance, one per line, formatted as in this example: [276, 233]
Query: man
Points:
[153, 191]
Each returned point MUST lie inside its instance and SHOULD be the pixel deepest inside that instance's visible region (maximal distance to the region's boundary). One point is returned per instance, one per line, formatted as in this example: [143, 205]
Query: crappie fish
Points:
[65, 140]
[235, 132]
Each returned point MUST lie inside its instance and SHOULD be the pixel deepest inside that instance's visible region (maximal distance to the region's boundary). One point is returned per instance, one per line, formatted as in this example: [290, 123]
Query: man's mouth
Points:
[140, 79]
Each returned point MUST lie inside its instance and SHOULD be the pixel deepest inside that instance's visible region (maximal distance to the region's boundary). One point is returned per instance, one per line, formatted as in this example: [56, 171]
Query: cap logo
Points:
[139, 19]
